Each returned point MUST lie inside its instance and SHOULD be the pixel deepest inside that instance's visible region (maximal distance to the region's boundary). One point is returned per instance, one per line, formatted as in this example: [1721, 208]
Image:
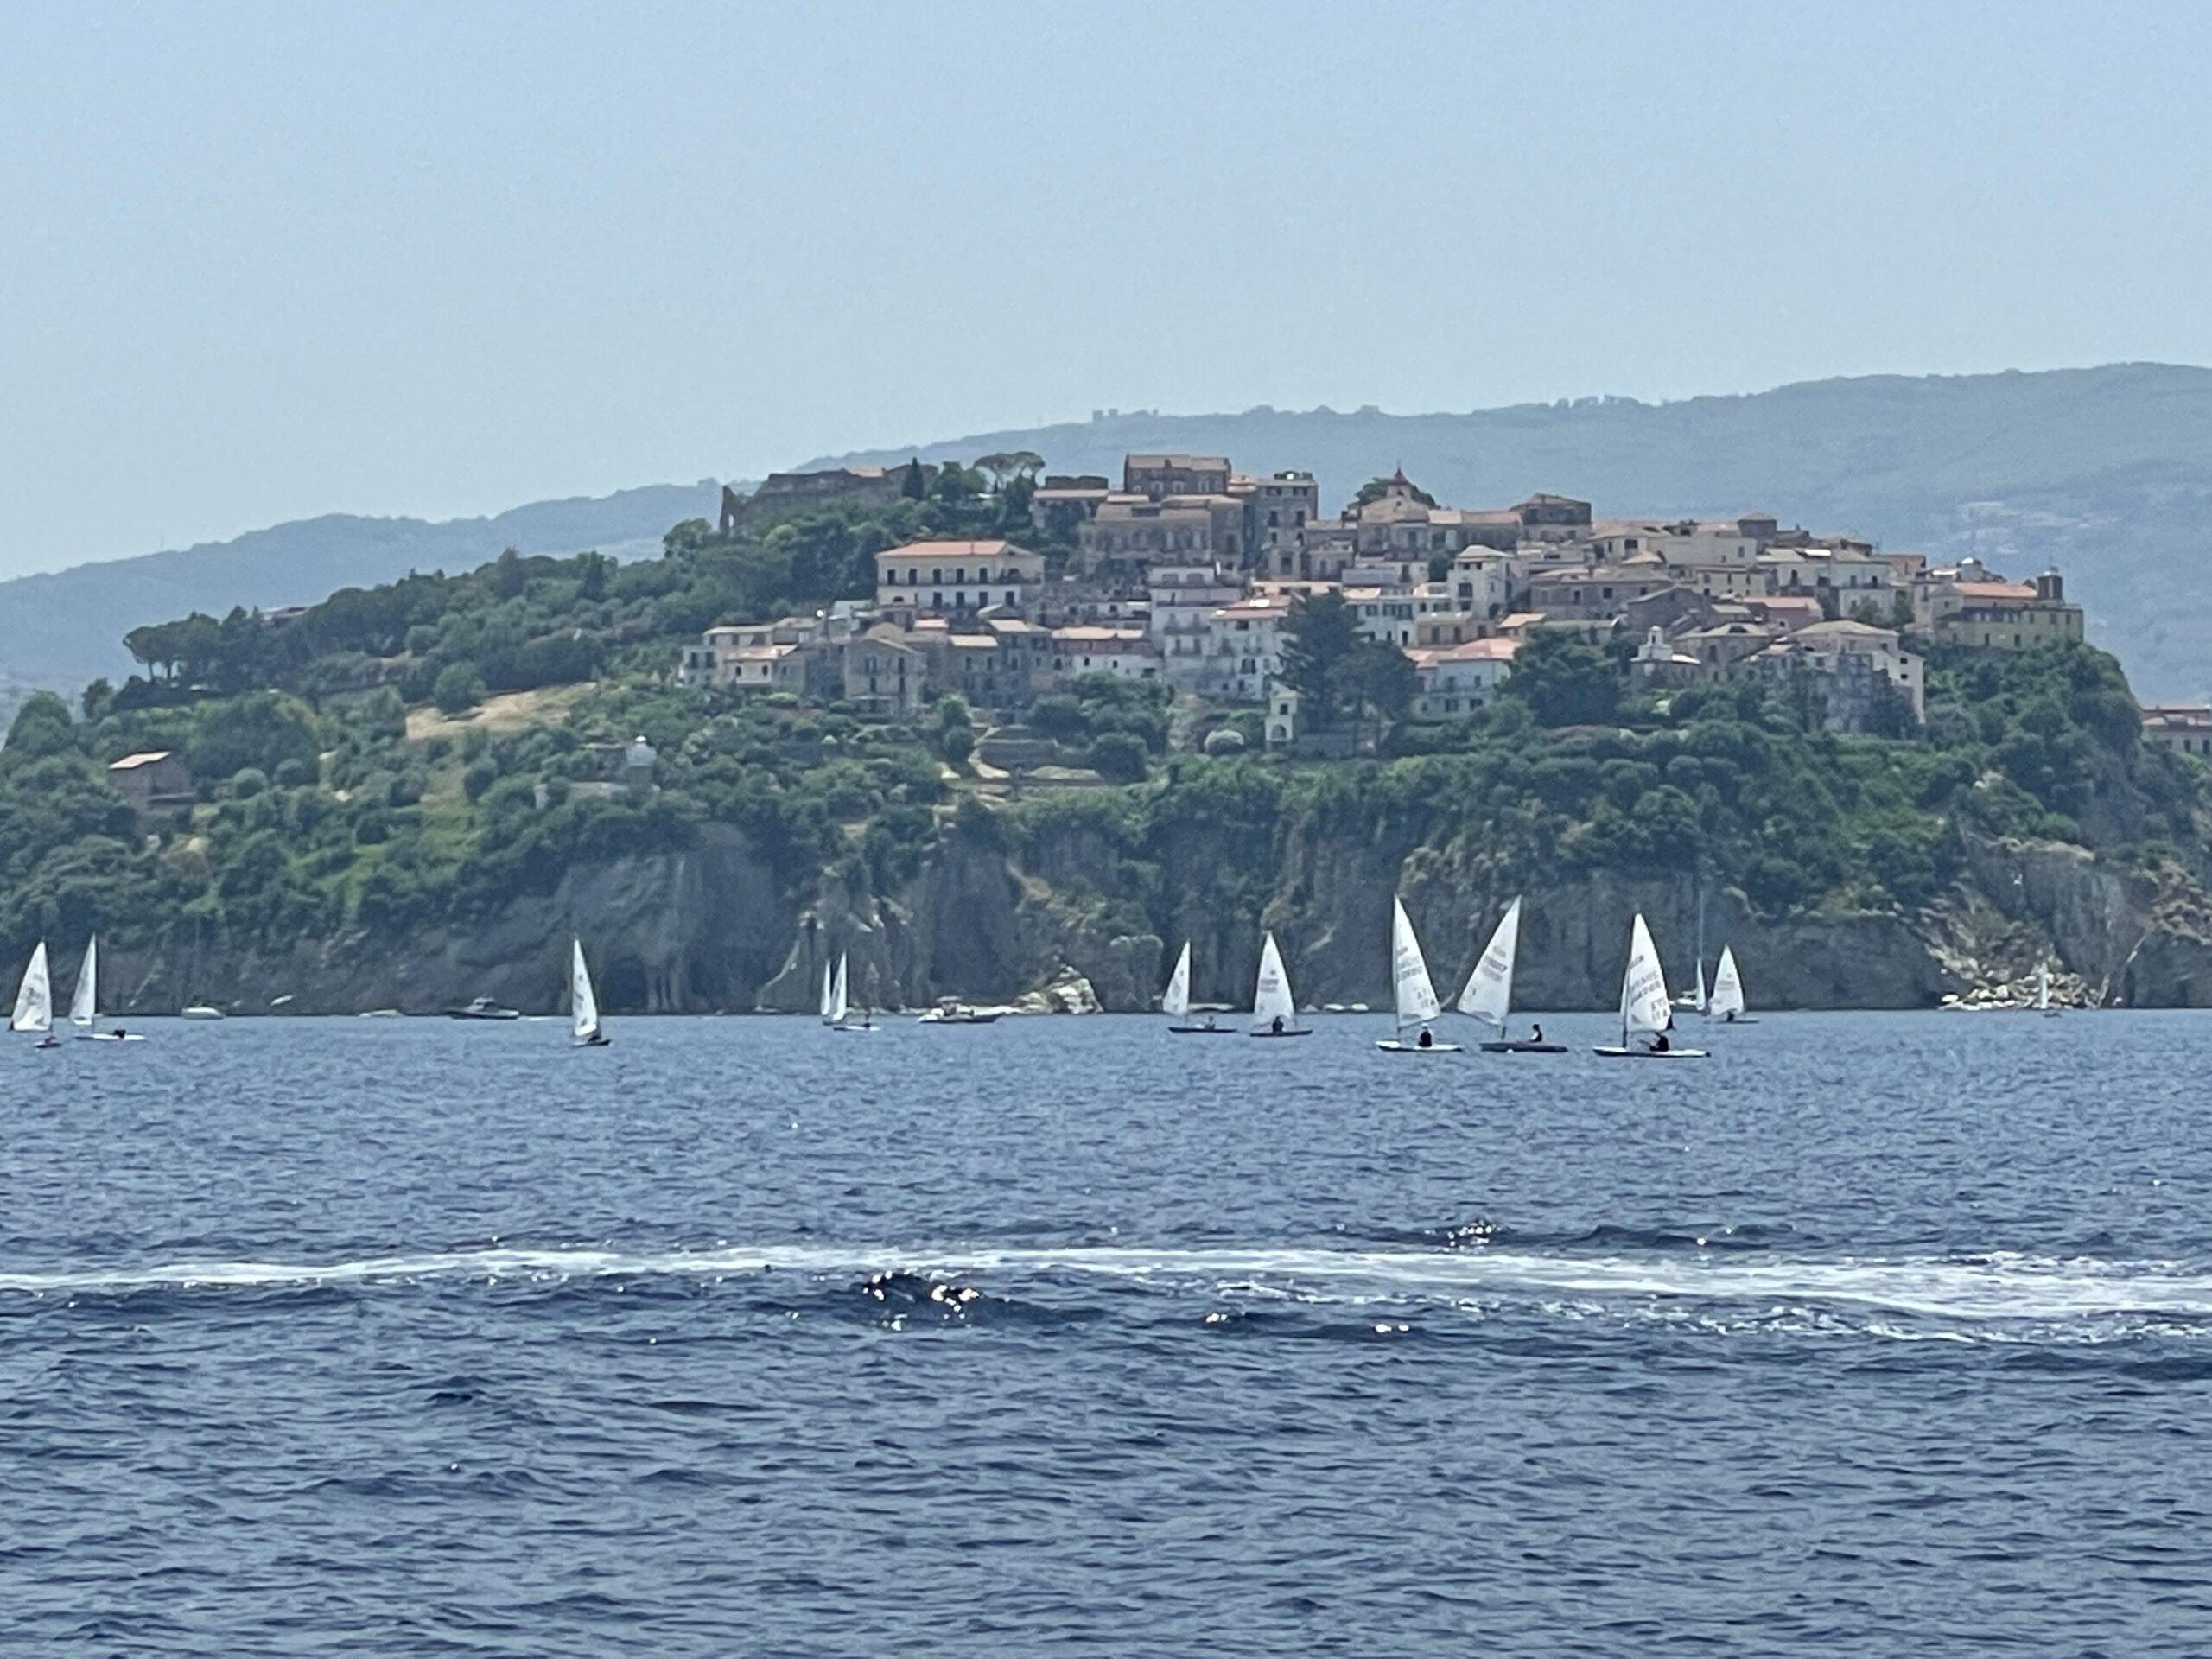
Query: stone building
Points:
[1160, 476]
[154, 781]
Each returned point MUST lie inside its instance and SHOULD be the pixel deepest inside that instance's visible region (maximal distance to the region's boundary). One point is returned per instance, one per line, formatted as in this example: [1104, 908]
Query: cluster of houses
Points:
[1186, 574]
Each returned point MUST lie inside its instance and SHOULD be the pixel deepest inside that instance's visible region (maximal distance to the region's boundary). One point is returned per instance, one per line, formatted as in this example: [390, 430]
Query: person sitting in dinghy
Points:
[1426, 1041]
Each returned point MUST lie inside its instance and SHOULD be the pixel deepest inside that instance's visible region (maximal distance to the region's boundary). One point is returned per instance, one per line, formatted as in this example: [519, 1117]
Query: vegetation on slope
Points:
[319, 814]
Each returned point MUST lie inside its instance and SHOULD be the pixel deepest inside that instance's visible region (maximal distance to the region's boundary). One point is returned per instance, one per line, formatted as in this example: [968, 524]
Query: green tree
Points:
[1321, 635]
[458, 689]
[1565, 679]
[41, 726]
[1119, 756]
[914, 483]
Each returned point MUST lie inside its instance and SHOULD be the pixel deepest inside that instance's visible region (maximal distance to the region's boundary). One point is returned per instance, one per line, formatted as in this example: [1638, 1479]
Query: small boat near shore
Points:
[950, 1011]
[482, 1008]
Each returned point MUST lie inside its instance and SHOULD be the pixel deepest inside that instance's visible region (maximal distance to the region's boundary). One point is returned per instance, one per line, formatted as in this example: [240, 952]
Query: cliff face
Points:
[710, 929]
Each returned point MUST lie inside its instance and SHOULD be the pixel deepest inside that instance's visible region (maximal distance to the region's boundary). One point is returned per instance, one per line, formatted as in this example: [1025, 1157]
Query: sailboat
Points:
[1274, 1012]
[1727, 1005]
[2043, 991]
[837, 1013]
[1645, 1011]
[1175, 1002]
[83, 1003]
[1488, 994]
[1410, 986]
[584, 1002]
[1695, 1001]
[829, 987]
[34, 1000]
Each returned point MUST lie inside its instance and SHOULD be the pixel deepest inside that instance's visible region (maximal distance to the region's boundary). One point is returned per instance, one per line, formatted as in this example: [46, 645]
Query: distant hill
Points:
[63, 629]
[2106, 473]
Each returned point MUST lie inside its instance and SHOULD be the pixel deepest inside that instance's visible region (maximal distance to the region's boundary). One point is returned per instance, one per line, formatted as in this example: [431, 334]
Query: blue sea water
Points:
[1870, 1334]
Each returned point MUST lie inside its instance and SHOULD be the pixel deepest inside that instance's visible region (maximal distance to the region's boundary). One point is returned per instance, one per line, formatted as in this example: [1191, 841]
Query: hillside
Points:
[63, 629]
[347, 850]
[2107, 473]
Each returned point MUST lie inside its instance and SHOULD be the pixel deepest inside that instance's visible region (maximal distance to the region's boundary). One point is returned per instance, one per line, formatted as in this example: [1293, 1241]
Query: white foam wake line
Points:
[1989, 1288]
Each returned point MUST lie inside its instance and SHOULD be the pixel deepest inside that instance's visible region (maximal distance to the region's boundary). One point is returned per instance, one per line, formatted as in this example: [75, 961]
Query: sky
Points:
[259, 261]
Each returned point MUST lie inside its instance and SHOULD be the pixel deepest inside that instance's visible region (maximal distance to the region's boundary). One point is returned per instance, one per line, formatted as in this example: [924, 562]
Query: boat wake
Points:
[1958, 1292]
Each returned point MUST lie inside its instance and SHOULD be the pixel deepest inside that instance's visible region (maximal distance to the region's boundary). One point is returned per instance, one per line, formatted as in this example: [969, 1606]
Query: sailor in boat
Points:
[1659, 1042]
[1426, 1041]
[1536, 1032]
[1276, 1026]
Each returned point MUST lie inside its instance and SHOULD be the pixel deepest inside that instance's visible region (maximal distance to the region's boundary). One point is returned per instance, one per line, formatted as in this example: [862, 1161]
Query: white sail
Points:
[583, 1005]
[2042, 986]
[1271, 998]
[839, 1007]
[1409, 980]
[84, 1007]
[1489, 995]
[828, 983]
[1176, 1000]
[1645, 1007]
[1698, 997]
[1727, 986]
[34, 997]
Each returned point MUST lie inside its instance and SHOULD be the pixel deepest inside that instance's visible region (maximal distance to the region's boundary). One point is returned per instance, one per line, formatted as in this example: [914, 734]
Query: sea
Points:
[1869, 1334]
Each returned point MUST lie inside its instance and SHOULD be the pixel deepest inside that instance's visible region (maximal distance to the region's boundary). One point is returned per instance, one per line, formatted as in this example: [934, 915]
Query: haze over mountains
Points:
[2106, 473]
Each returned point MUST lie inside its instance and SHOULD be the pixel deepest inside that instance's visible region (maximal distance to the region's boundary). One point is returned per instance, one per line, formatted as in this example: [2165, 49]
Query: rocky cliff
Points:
[990, 918]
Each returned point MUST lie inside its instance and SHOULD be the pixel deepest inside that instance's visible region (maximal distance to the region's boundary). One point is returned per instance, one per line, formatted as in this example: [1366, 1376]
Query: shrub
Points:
[1119, 756]
[458, 689]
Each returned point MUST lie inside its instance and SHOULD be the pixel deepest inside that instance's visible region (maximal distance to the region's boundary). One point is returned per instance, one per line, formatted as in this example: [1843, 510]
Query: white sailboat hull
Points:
[1614, 1052]
[1392, 1045]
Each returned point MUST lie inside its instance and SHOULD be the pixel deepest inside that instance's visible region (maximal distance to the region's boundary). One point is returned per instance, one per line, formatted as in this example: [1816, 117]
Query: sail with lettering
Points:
[584, 1001]
[1409, 980]
[1727, 987]
[1488, 994]
[34, 996]
[1645, 1009]
[1175, 1001]
[1274, 1012]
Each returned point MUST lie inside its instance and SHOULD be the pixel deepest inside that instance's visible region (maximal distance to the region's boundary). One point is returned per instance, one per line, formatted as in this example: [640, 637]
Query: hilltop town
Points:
[1191, 575]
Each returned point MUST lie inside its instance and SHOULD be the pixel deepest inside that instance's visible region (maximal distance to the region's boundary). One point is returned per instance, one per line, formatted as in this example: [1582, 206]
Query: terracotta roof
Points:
[1995, 589]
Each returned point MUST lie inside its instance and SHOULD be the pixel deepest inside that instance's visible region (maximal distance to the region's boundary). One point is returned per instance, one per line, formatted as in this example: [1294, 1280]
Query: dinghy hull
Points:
[1615, 1054]
[1389, 1046]
[1524, 1048]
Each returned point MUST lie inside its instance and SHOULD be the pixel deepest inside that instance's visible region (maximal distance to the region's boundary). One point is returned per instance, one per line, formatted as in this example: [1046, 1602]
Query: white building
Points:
[945, 577]
[1123, 653]
[1244, 649]
[1453, 681]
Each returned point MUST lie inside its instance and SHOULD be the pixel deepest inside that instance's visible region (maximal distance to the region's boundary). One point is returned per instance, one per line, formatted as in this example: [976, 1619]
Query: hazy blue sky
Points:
[258, 262]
